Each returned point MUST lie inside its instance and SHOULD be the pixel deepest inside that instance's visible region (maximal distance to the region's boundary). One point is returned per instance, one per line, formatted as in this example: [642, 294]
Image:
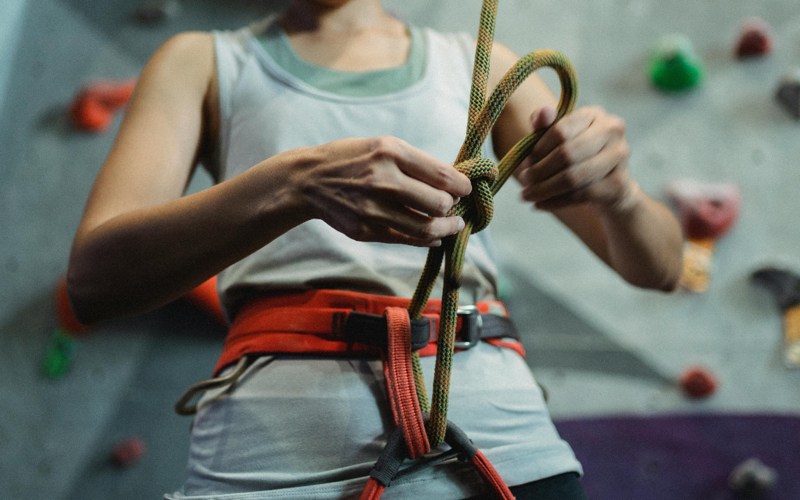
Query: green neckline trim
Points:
[346, 83]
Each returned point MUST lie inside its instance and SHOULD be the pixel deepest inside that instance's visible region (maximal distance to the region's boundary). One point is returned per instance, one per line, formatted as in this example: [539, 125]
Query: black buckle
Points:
[471, 325]
[371, 329]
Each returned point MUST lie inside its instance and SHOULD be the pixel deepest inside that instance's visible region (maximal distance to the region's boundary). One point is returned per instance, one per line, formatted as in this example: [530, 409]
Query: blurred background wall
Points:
[600, 347]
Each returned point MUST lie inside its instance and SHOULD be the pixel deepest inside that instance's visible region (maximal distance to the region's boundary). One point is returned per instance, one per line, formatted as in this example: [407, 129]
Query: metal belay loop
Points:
[479, 207]
[482, 114]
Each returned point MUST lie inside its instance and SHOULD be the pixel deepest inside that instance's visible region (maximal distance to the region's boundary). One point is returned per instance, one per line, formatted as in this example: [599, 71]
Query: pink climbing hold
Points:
[128, 451]
[755, 38]
[698, 383]
[706, 210]
[788, 94]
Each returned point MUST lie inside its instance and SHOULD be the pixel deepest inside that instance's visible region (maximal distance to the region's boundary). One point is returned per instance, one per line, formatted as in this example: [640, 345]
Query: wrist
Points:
[624, 205]
[281, 187]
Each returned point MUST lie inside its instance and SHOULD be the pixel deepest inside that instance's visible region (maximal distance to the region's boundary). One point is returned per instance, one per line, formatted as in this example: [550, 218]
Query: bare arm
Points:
[141, 244]
[578, 171]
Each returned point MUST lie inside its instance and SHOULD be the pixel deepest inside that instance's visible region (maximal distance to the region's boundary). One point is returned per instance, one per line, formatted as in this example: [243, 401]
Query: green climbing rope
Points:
[477, 211]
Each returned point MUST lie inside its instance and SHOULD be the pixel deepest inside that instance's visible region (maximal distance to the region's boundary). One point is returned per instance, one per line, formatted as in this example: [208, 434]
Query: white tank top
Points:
[265, 111]
[307, 428]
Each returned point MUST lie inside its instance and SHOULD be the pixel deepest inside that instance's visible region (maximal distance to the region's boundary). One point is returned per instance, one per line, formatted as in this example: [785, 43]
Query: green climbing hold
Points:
[59, 353]
[673, 64]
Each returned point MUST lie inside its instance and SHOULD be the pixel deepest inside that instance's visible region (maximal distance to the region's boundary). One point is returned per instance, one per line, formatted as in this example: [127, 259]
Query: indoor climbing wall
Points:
[694, 395]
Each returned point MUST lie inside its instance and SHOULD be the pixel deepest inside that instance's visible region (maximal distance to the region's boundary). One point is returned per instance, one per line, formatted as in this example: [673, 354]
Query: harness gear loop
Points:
[482, 115]
[182, 406]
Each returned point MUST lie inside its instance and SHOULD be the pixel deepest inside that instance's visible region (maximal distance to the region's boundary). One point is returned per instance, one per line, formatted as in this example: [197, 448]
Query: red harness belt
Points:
[313, 322]
[350, 324]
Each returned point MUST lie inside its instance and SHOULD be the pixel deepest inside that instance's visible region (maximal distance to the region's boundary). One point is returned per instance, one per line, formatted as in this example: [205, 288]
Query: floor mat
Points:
[687, 457]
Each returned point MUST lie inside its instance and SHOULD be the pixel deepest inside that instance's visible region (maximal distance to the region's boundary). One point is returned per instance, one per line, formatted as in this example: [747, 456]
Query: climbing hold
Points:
[156, 11]
[206, 298]
[128, 451]
[755, 38]
[707, 212]
[785, 288]
[698, 383]
[752, 479]
[784, 285]
[63, 341]
[94, 106]
[66, 318]
[58, 354]
[788, 94]
[673, 64]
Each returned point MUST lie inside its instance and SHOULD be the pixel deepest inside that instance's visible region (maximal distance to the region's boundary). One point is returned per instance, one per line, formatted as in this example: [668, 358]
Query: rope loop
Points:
[479, 207]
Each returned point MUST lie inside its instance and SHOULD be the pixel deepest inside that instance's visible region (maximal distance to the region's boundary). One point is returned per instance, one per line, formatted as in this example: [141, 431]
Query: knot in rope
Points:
[479, 207]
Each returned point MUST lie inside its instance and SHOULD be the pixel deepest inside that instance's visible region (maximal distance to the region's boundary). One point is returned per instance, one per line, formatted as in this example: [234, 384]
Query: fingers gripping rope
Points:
[477, 209]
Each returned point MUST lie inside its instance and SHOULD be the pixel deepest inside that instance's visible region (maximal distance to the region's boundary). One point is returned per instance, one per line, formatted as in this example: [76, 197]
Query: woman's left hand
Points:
[581, 159]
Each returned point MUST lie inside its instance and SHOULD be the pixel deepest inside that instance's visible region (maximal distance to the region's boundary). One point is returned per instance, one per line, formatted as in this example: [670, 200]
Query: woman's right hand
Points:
[381, 189]
[141, 244]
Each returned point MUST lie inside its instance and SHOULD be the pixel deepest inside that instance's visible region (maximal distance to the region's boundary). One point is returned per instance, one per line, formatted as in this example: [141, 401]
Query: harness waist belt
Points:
[352, 324]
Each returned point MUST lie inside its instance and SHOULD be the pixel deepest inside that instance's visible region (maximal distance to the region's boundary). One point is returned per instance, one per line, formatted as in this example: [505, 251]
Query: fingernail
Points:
[455, 202]
[461, 224]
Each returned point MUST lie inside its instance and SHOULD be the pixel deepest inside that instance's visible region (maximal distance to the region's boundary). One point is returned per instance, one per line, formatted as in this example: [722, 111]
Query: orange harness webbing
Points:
[314, 322]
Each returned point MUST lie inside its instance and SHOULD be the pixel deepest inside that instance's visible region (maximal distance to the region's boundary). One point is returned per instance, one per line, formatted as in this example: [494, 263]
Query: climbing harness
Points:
[340, 323]
[399, 330]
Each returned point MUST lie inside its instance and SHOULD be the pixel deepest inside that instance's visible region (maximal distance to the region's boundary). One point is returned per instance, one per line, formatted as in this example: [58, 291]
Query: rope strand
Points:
[477, 209]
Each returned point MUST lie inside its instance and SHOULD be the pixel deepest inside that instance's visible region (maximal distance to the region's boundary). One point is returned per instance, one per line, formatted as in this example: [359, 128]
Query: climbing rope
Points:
[477, 209]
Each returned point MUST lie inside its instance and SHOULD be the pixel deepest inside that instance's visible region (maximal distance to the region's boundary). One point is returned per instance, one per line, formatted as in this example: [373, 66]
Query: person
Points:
[329, 131]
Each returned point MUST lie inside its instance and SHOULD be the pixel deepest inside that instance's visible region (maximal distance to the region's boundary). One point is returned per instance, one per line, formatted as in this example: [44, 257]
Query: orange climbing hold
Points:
[206, 299]
[94, 107]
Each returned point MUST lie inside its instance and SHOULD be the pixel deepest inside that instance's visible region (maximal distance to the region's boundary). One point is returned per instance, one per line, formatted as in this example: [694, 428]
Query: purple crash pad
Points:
[686, 457]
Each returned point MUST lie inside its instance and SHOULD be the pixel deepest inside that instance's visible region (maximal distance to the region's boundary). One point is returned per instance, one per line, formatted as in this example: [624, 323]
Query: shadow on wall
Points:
[56, 436]
[556, 337]
[116, 18]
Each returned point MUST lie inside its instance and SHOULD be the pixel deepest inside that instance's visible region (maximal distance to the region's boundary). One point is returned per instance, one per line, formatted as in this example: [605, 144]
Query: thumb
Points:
[543, 117]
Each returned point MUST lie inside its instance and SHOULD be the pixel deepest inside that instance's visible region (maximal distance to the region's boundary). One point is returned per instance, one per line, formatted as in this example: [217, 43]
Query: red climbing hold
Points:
[94, 107]
[698, 383]
[755, 38]
[128, 451]
[788, 94]
[706, 210]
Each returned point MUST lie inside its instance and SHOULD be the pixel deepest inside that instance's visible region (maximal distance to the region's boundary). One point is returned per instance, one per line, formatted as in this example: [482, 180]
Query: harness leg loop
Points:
[399, 375]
